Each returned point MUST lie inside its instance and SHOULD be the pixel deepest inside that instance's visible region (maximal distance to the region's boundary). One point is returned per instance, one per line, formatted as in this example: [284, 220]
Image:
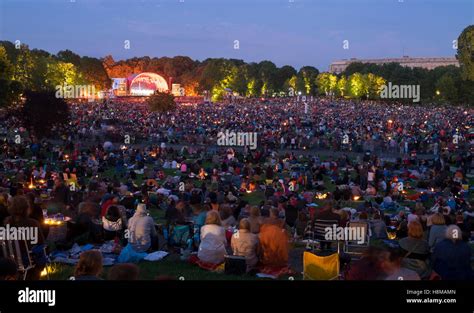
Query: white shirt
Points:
[213, 242]
[412, 218]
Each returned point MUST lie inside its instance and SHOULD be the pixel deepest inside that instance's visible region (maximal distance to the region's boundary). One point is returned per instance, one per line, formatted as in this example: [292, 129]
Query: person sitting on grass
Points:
[228, 220]
[199, 215]
[124, 271]
[274, 243]
[391, 265]
[112, 223]
[212, 247]
[89, 266]
[416, 250]
[175, 214]
[452, 256]
[274, 218]
[18, 210]
[84, 230]
[378, 227]
[142, 233]
[255, 219]
[301, 224]
[369, 266]
[437, 230]
[246, 244]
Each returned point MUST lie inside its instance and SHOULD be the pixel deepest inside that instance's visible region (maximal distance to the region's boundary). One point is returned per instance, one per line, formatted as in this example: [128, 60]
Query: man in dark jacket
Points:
[452, 256]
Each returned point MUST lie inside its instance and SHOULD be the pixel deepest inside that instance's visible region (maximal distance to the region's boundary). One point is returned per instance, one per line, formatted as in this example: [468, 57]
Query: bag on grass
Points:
[128, 255]
[235, 265]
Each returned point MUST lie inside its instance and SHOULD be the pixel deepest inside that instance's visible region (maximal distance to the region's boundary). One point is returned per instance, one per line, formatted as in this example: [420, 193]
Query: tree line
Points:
[25, 69]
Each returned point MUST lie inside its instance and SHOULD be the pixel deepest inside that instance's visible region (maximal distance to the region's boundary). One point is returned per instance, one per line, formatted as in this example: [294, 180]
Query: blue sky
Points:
[294, 32]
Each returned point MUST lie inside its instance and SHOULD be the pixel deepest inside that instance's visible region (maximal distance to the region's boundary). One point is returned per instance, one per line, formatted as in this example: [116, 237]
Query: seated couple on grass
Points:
[267, 249]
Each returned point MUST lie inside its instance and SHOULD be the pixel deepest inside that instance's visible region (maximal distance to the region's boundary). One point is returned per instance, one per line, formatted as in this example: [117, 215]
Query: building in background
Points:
[340, 66]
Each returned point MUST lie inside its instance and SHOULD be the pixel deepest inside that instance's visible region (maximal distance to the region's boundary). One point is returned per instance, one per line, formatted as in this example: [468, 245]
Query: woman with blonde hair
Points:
[212, 247]
[246, 244]
[416, 250]
[89, 266]
[437, 230]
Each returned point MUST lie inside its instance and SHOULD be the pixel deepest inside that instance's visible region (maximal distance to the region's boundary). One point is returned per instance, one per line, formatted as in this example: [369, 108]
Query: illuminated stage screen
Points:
[146, 84]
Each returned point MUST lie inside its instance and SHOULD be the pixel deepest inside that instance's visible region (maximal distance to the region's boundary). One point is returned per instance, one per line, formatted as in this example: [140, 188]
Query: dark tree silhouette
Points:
[161, 102]
[42, 111]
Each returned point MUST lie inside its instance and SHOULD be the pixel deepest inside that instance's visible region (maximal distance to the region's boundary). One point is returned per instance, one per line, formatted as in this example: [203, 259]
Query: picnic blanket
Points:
[193, 259]
[109, 254]
[71, 256]
[274, 271]
[156, 256]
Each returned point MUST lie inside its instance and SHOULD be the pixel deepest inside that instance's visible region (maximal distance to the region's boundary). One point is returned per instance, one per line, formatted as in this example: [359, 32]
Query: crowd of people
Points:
[116, 166]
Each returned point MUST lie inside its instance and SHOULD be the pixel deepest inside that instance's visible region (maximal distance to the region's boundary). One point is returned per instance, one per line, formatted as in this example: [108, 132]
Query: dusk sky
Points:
[294, 32]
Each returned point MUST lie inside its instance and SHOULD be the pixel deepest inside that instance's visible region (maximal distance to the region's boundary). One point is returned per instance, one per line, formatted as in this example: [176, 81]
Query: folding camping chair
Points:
[353, 247]
[315, 233]
[320, 267]
[13, 249]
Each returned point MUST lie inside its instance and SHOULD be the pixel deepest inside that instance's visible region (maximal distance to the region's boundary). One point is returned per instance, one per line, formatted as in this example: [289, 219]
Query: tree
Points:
[356, 85]
[374, 85]
[465, 53]
[161, 102]
[38, 77]
[24, 68]
[283, 74]
[42, 111]
[254, 81]
[59, 73]
[240, 80]
[332, 84]
[446, 87]
[326, 83]
[9, 90]
[466, 92]
[178, 66]
[190, 83]
[290, 85]
[67, 56]
[6, 68]
[12, 51]
[355, 67]
[342, 86]
[267, 72]
[94, 73]
[307, 75]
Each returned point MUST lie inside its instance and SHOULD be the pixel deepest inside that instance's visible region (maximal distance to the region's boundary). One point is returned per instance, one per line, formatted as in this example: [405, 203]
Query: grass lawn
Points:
[171, 266]
[254, 198]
